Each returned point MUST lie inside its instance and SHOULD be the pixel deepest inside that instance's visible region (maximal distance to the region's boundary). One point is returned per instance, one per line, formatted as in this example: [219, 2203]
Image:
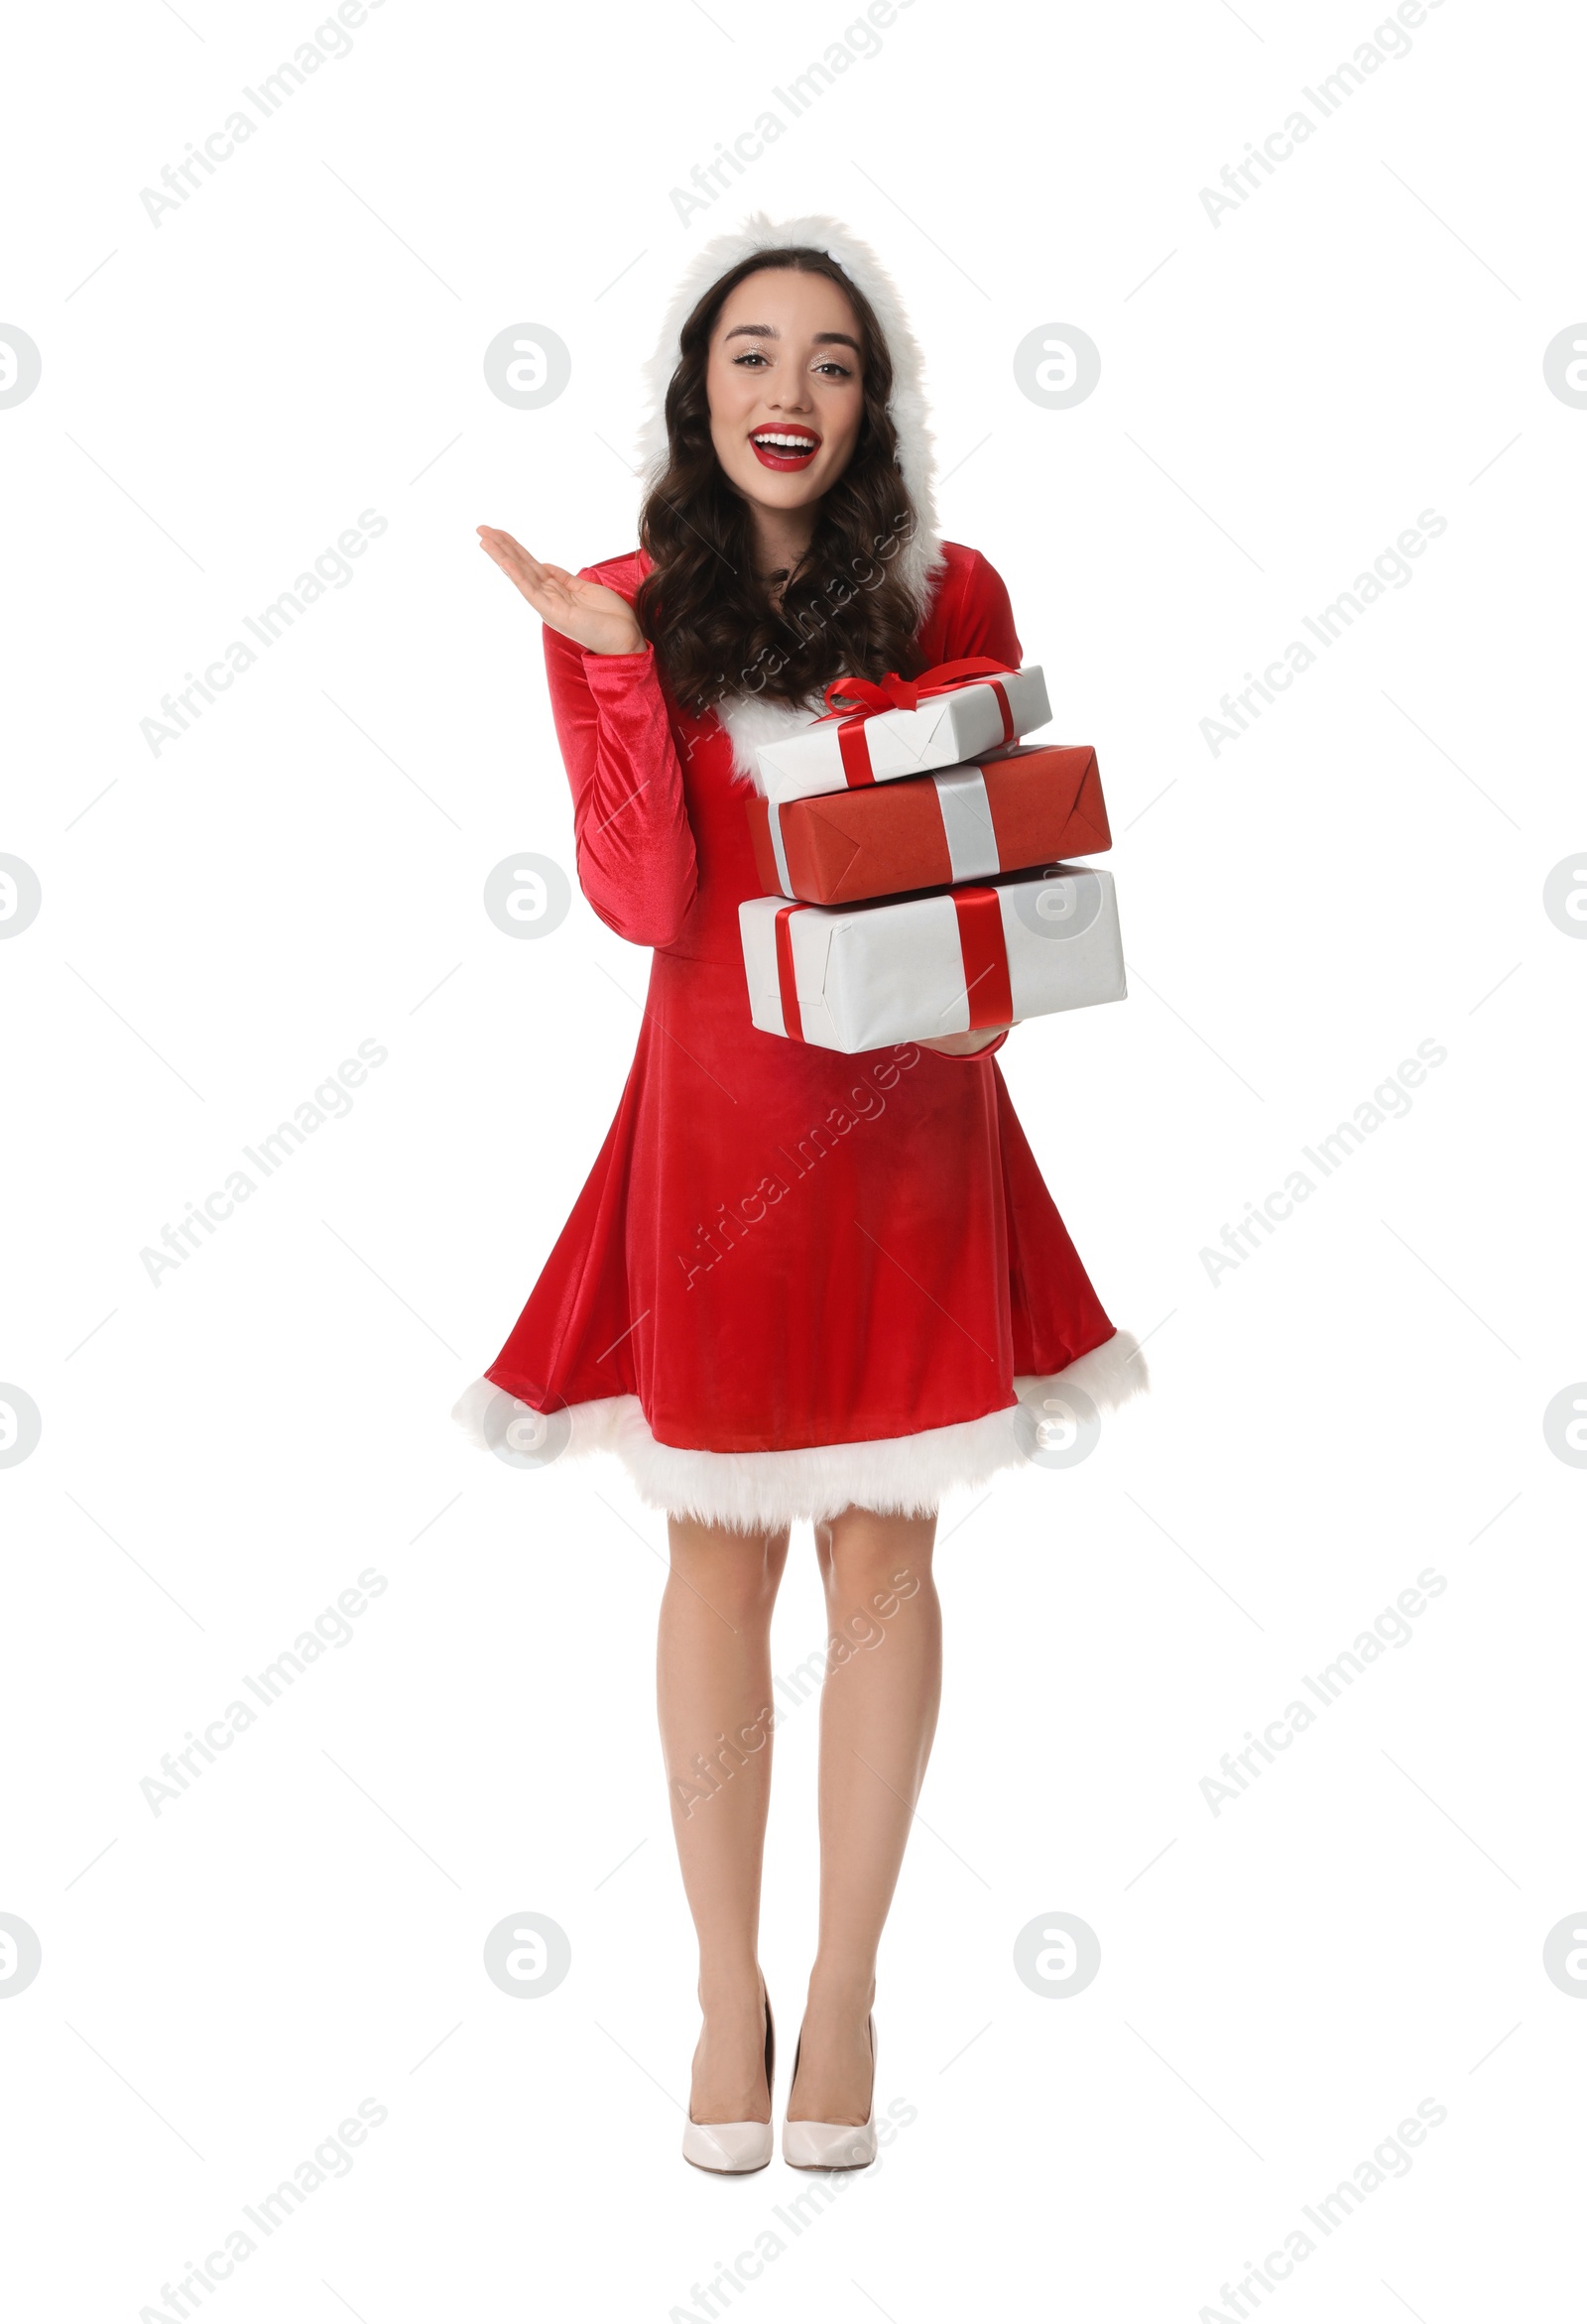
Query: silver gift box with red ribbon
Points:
[878, 731]
[918, 967]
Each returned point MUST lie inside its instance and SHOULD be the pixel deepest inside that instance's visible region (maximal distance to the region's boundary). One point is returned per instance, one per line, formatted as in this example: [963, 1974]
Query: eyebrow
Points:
[765, 330]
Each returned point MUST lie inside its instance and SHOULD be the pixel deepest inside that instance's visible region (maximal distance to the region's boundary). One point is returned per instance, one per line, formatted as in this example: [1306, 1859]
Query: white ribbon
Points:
[968, 823]
[773, 825]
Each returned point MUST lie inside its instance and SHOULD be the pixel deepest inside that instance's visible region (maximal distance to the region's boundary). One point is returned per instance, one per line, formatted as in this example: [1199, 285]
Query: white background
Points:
[1282, 394]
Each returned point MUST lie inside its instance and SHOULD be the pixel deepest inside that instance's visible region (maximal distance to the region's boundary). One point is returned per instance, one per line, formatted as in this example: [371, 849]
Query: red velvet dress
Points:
[779, 1248]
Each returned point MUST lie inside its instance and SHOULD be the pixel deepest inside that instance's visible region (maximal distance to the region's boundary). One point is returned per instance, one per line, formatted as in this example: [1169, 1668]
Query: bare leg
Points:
[713, 1690]
[878, 1716]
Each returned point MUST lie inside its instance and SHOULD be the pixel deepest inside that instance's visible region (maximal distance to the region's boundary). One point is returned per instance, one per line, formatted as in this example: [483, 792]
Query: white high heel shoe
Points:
[832, 2146]
[734, 2146]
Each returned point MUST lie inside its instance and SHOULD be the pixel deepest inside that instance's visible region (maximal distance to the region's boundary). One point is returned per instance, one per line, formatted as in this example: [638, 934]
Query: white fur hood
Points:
[750, 721]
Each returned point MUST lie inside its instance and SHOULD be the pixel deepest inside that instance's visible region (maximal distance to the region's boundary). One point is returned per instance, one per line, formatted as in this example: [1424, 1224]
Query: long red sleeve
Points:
[976, 617]
[634, 846]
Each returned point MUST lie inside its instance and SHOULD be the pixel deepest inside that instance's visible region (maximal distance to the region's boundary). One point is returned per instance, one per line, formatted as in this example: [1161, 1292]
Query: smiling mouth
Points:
[784, 448]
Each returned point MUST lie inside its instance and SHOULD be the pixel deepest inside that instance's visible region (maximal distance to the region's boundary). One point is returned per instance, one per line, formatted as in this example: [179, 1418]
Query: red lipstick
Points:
[786, 449]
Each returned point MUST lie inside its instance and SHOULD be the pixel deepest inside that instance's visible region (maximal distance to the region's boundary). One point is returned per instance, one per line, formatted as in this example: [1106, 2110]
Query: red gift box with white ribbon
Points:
[878, 731]
[1029, 804]
[920, 967]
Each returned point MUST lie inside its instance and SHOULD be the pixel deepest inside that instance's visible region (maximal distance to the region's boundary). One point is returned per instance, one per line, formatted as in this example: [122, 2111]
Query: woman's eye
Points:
[831, 364]
[754, 356]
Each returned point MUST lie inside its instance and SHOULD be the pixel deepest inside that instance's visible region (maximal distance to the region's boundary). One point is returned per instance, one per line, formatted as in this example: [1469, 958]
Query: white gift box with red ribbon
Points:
[918, 967]
[878, 732]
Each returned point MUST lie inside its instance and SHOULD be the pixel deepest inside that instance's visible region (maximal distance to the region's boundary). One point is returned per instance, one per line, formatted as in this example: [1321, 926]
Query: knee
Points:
[872, 1568]
[736, 1574]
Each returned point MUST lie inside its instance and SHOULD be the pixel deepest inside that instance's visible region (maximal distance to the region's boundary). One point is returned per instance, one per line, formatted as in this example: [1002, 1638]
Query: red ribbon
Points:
[986, 956]
[983, 948]
[786, 981]
[855, 699]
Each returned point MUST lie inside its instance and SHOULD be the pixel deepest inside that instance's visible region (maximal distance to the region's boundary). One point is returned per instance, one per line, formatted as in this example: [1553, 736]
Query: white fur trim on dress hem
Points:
[764, 1491]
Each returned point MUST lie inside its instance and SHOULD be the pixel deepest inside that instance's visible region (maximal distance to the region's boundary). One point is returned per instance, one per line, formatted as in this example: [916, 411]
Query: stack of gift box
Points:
[914, 854]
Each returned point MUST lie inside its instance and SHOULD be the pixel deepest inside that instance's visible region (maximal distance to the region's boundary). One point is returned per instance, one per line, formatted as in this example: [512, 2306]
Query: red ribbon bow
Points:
[855, 699]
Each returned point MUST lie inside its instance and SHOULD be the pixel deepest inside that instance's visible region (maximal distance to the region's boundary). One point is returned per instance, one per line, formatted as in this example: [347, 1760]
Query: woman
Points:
[797, 1285]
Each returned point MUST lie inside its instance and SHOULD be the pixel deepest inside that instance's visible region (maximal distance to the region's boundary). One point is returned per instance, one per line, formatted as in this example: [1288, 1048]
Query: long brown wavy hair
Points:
[845, 609]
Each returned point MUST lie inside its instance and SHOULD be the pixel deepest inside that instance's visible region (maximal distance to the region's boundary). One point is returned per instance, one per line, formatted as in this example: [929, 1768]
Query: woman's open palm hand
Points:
[594, 617]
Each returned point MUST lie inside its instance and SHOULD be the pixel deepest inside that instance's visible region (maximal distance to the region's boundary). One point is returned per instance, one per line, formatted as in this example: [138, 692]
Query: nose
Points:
[793, 396]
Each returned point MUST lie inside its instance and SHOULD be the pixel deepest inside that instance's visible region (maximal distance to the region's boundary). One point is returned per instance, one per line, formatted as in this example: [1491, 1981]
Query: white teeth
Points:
[798, 443]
